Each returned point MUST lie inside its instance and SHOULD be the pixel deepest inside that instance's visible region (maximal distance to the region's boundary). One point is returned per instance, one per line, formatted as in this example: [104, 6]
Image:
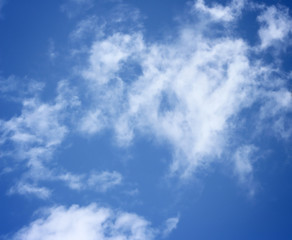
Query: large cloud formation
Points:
[196, 91]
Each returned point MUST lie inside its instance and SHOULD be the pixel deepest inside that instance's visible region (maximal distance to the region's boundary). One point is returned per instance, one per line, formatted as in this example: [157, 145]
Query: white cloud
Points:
[221, 13]
[90, 223]
[72, 180]
[243, 164]
[38, 130]
[92, 122]
[26, 189]
[104, 180]
[283, 128]
[121, 16]
[15, 89]
[202, 91]
[96, 181]
[86, 27]
[40, 127]
[106, 57]
[170, 225]
[276, 27]
[190, 91]
[244, 157]
[199, 105]
[35, 134]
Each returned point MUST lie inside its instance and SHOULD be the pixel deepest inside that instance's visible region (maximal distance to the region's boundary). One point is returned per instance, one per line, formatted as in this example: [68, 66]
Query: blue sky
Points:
[135, 120]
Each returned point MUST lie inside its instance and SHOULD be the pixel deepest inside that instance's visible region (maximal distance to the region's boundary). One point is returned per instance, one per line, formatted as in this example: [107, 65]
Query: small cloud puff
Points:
[276, 27]
[219, 12]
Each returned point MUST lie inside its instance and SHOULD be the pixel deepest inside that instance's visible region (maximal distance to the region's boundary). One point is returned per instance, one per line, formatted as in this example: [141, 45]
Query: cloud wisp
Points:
[170, 225]
[97, 181]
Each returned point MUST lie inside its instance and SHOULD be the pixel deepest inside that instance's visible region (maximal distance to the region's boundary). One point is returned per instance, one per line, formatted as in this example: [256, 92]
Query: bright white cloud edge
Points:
[90, 222]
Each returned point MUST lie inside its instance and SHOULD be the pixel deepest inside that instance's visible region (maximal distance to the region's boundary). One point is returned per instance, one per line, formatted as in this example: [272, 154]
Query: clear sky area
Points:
[145, 120]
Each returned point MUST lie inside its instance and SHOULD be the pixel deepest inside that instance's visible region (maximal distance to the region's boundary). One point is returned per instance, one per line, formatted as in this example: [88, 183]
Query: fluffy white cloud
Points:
[188, 97]
[276, 27]
[90, 223]
[106, 57]
[221, 13]
[190, 91]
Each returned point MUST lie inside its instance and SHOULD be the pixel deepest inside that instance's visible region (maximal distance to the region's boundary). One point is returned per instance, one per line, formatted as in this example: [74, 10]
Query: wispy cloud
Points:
[104, 180]
[170, 225]
[72, 8]
[244, 157]
[96, 181]
[86, 27]
[16, 89]
[100, 182]
[52, 50]
[27, 189]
